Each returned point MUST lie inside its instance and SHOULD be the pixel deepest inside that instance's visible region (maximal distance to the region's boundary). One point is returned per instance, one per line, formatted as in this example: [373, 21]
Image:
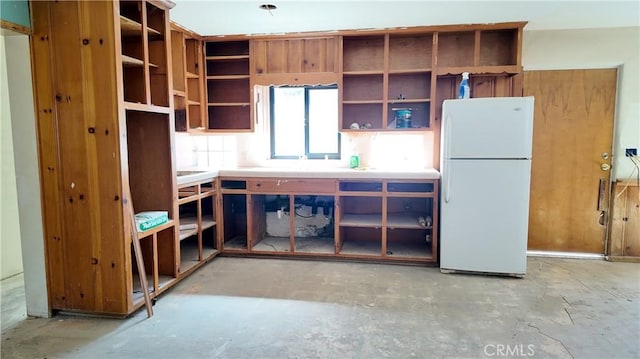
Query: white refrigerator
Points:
[486, 171]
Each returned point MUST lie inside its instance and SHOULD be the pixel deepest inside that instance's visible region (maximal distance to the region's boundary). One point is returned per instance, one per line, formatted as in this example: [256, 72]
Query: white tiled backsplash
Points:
[206, 151]
[383, 151]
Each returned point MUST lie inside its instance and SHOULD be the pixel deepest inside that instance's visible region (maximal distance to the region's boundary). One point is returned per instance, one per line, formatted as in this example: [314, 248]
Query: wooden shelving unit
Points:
[197, 224]
[144, 40]
[381, 73]
[362, 90]
[233, 226]
[418, 68]
[624, 242]
[108, 63]
[379, 220]
[387, 219]
[228, 84]
[188, 79]
[492, 56]
[378, 72]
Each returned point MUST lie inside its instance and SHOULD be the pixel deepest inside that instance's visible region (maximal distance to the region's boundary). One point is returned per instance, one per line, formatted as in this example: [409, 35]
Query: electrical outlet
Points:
[631, 152]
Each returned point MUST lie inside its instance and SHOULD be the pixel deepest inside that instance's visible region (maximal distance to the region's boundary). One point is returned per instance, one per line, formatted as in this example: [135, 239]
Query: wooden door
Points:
[573, 129]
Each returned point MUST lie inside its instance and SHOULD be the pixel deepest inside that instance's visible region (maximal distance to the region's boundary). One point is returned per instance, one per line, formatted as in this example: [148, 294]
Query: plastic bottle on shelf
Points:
[464, 91]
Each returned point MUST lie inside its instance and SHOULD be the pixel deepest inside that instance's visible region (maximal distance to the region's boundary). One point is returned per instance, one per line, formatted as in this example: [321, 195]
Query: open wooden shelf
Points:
[361, 220]
[188, 232]
[190, 256]
[509, 70]
[361, 242]
[227, 57]
[362, 102]
[229, 104]
[131, 61]
[363, 73]
[164, 282]
[409, 248]
[396, 220]
[228, 77]
[129, 27]
[272, 244]
[315, 245]
[414, 71]
[153, 32]
[188, 78]
[228, 85]
[148, 232]
[146, 108]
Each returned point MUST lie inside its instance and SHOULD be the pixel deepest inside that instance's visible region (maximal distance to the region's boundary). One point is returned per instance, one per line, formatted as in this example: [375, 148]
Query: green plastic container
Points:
[354, 161]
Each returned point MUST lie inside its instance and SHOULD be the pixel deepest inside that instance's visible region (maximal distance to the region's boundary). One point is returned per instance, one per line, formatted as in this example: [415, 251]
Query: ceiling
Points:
[216, 17]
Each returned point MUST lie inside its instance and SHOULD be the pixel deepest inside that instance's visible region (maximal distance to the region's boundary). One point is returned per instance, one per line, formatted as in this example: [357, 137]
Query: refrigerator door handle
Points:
[445, 164]
[447, 185]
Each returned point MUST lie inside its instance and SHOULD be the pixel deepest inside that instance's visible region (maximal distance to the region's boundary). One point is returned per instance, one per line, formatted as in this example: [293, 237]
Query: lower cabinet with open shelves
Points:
[387, 219]
[384, 220]
[234, 224]
[270, 223]
[293, 223]
[158, 253]
[197, 224]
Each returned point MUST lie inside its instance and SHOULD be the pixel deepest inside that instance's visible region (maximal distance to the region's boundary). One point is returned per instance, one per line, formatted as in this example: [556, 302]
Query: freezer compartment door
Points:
[484, 216]
[488, 127]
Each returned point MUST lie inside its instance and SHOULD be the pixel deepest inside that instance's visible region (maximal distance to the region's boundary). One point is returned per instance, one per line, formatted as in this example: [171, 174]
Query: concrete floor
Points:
[268, 308]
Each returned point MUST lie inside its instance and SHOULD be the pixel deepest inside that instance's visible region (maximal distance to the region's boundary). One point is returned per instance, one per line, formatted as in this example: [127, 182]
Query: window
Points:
[304, 122]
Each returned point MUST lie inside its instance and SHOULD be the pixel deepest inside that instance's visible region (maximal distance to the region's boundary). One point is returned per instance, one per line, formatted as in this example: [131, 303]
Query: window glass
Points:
[323, 121]
[287, 130]
[304, 122]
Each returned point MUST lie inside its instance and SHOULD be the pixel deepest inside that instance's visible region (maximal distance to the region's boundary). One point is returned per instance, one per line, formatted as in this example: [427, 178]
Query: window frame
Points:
[307, 154]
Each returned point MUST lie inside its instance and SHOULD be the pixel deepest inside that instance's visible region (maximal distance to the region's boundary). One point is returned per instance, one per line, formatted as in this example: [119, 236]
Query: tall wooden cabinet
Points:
[102, 73]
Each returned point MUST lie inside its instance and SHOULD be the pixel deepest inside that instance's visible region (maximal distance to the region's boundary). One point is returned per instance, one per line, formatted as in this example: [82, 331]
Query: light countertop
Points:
[189, 176]
[338, 173]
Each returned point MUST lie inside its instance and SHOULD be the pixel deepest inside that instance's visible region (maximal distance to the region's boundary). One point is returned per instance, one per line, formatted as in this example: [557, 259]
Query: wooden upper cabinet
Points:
[456, 49]
[499, 47]
[188, 79]
[479, 51]
[228, 86]
[144, 38]
[383, 74]
[378, 72]
[295, 61]
[492, 56]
